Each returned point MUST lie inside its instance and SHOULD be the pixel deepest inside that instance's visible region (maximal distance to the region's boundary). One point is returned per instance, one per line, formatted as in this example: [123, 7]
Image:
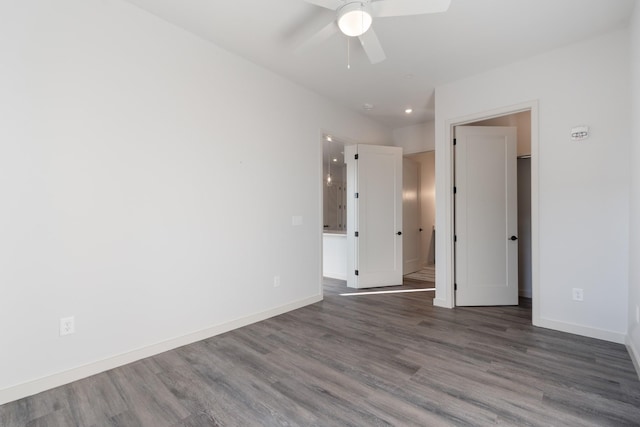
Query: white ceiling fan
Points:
[354, 18]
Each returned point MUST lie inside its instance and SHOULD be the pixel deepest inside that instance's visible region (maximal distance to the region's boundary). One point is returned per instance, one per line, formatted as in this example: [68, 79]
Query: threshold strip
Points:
[387, 292]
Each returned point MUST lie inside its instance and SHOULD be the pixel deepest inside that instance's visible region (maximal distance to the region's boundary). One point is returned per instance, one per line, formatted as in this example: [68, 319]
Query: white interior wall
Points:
[521, 121]
[415, 138]
[582, 187]
[633, 339]
[149, 181]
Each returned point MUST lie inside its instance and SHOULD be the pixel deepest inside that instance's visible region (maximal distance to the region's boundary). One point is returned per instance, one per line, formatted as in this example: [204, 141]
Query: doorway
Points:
[522, 122]
[419, 216]
[334, 210]
[445, 296]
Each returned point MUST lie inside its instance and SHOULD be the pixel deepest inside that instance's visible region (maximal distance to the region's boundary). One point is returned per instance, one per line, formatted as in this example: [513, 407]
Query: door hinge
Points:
[357, 195]
[357, 234]
[455, 238]
[355, 157]
[455, 286]
[454, 141]
[356, 272]
[455, 190]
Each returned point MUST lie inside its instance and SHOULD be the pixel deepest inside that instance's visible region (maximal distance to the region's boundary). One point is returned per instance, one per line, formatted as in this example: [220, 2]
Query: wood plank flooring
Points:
[364, 360]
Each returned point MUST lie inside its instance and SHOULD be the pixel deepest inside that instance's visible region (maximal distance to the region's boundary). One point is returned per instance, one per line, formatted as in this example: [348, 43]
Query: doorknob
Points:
[514, 238]
[399, 233]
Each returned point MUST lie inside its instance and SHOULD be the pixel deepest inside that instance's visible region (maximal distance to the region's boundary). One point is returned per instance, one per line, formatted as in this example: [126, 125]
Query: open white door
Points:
[411, 239]
[486, 247]
[374, 216]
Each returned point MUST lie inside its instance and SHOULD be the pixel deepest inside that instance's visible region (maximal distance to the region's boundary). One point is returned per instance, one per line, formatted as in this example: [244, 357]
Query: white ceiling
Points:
[422, 51]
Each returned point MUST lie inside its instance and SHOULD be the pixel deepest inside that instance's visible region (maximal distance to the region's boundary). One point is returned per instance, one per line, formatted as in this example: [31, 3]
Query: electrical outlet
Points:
[578, 294]
[67, 325]
[276, 281]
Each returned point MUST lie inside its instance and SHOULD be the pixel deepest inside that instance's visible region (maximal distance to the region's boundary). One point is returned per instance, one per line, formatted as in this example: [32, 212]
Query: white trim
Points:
[634, 353]
[535, 214]
[585, 331]
[334, 275]
[399, 291]
[447, 276]
[45, 383]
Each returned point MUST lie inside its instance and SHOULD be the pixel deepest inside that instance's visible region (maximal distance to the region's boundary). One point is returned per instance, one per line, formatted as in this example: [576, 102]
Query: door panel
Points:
[486, 216]
[376, 215]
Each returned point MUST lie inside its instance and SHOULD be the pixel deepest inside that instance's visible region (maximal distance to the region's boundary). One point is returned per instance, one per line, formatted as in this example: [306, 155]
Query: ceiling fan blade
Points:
[318, 37]
[328, 4]
[372, 47]
[386, 8]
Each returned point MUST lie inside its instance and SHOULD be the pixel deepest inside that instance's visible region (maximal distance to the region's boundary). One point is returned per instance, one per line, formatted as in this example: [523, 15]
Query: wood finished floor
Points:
[360, 361]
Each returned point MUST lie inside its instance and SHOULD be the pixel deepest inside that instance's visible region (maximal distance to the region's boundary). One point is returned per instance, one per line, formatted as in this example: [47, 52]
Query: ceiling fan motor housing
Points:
[354, 18]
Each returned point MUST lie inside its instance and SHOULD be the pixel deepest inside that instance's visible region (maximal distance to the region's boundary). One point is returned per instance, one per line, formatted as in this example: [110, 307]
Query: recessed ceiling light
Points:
[335, 160]
[367, 107]
[329, 138]
[408, 110]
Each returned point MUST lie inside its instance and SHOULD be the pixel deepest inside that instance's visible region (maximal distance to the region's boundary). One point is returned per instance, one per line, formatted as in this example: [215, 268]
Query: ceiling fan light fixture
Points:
[354, 19]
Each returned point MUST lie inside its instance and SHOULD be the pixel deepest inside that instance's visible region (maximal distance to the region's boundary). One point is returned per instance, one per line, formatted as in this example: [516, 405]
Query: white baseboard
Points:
[46, 383]
[634, 353]
[585, 331]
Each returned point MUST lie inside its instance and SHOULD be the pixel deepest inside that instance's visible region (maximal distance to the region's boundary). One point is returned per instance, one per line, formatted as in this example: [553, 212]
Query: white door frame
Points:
[445, 250]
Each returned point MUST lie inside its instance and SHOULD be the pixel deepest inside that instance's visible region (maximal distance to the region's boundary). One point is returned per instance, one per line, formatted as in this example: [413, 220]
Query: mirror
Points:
[334, 186]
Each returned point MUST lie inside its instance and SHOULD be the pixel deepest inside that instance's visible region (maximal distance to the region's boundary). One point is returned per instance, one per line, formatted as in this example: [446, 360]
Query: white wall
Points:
[415, 138]
[633, 340]
[522, 121]
[582, 187]
[148, 183]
